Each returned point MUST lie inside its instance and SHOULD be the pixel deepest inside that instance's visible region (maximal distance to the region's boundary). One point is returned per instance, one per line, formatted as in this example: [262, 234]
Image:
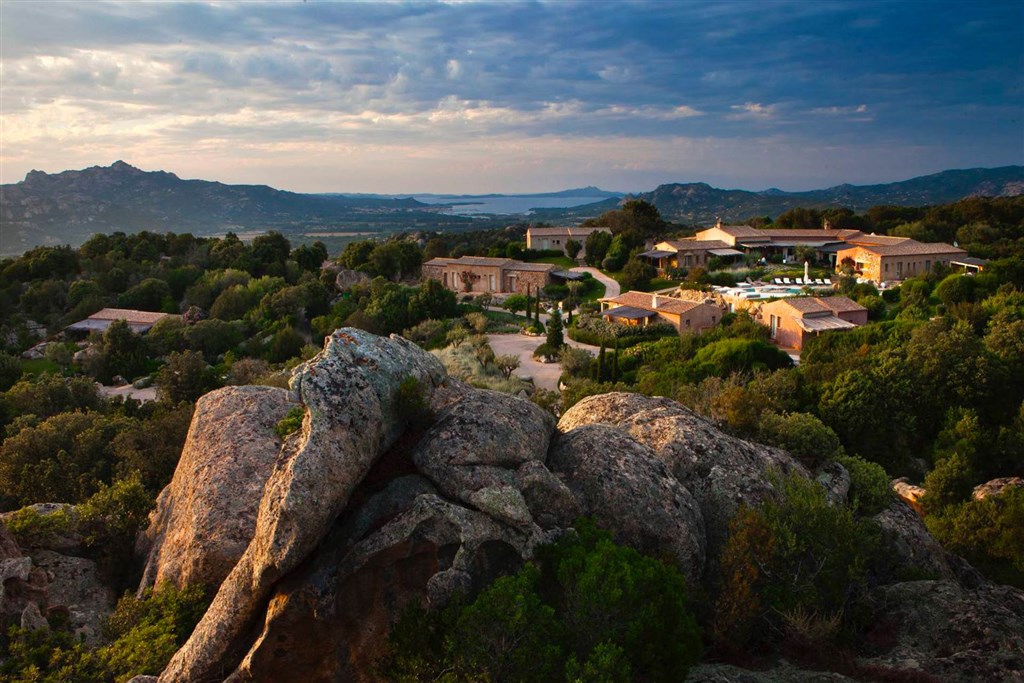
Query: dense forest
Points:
[932, 389]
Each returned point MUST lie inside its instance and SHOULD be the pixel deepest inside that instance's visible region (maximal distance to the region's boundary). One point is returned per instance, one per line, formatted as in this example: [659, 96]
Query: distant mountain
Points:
[699, 203]
[70, 206]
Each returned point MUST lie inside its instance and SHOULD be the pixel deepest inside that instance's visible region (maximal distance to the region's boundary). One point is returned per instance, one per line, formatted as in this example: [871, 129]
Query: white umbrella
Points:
[807, 272]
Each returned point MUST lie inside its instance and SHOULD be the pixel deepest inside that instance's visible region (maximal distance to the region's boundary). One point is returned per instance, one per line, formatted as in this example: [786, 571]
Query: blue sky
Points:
[514, 97]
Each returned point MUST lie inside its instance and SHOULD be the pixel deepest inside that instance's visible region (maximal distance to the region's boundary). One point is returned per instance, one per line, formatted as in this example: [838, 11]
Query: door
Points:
[774, 325]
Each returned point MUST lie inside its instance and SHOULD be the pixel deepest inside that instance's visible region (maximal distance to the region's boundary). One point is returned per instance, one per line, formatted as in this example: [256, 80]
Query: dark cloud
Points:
[814, 73]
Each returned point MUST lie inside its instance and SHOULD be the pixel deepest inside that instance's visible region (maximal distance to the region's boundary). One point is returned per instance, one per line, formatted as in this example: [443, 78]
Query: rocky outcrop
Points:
[913, 547]
[474, 451]
[781, 673]
[367, 509]
[996, 487]
[205, 518]
[954, 633]
[75, 585]
[352, 416]
[347, 279]
[722, 472]
[909, 494]
[625, 487]
[427, 553]
[37, 583]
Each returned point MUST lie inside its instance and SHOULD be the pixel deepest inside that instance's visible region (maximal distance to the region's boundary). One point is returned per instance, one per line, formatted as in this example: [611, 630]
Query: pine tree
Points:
[555, 339]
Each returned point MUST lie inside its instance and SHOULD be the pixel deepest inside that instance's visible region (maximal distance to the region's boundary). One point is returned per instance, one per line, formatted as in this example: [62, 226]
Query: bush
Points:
[870, 487]
[806, 437]
[624, 616]
[411, 402]
[142, 635]
[794, 555]
[291, 422]
[989, 533]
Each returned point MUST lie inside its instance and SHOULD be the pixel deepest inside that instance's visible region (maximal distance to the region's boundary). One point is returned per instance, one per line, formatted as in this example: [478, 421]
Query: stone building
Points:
[897, 261]
[479, 274]
[688, 253]
[557, 238]
[793, 320]
[643, 308]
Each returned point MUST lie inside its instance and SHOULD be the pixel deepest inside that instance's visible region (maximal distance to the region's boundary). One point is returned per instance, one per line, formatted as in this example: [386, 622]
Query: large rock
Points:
[996, 487]
[480, 450]
[910, 544]
[205, 518]
[780, 673]
[352, 416]
[74, 583]
[329, 621]
[953, 633]
[721, 471]
[629, 491]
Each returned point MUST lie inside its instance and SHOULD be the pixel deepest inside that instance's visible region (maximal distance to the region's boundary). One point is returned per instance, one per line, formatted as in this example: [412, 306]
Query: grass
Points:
[502, 322]
[596, 292]
[39, 366]
[463, 364]
[561, 261]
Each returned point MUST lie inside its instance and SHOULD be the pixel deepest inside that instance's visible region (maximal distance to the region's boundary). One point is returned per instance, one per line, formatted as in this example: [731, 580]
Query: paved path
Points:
[611, 287]
[544, 375]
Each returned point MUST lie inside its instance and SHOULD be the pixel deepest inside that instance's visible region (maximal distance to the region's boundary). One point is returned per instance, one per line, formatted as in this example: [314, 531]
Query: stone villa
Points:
[795, 319]
[879, 258]
[480, 274]
[556, 238]
[643, 308]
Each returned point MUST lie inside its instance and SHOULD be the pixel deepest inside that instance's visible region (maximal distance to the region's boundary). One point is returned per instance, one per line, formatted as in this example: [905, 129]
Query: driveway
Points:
[544, 375]
[611, 287]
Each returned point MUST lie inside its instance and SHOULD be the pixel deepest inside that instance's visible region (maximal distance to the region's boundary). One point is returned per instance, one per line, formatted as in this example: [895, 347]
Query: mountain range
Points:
[67, 207]
[694, 203]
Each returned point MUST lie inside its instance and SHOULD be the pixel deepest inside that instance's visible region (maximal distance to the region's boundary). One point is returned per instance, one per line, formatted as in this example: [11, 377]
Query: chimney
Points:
[718, 222]
[654, 300]
[826, 224]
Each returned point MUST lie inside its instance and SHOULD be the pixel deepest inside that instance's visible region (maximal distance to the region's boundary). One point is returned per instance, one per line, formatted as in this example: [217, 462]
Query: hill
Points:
[67, 207]
[701, 203]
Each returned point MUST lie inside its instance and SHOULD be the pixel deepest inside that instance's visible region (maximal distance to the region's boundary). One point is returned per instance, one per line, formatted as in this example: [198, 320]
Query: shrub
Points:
[989, 533]
[795, 554]
[806, 437]
[624, 616]
[291, 422]
[870, 487]
[545, 352]
[411, 402]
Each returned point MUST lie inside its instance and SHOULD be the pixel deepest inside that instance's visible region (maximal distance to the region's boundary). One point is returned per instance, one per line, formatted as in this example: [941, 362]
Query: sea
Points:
[503, 206]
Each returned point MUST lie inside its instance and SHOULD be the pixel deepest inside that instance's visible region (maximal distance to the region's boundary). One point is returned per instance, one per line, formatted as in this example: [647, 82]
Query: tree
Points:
[637, 274]
[10, 371]
[597, 243]
[270, 250]
[185, 377]
[151, 294]
[507, 363]
[310, 257]
[516, 303]
[572, 248]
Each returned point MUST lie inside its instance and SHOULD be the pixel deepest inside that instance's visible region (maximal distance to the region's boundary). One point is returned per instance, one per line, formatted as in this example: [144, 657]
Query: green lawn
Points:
[39, 366]
[560, 261]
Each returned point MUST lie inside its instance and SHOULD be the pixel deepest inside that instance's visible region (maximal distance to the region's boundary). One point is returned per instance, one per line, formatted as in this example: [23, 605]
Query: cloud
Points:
[753, 110]
[268, 77]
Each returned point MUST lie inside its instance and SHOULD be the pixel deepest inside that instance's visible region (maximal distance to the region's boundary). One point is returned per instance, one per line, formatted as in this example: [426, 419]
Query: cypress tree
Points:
[615, 362]
[600, 363]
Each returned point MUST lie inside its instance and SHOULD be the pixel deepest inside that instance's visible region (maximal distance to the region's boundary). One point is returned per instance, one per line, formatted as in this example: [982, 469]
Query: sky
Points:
[474, 97]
